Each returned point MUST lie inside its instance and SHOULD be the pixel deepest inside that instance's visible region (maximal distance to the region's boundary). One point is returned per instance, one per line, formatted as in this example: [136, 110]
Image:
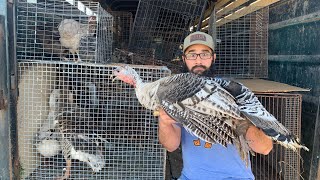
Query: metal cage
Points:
[242, 44]
[161, 25]
[281, 163]
[102, 117]
[39, 38]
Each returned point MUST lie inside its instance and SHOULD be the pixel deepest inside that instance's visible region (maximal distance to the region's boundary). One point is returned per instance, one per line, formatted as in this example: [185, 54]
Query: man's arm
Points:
[169, 132]
[258, 141]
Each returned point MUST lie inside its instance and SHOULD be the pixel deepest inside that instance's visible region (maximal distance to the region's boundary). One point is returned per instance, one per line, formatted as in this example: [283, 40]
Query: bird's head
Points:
[127, 75]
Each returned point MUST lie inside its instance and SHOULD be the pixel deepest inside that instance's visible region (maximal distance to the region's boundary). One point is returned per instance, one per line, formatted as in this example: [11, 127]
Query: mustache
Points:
[201, 66]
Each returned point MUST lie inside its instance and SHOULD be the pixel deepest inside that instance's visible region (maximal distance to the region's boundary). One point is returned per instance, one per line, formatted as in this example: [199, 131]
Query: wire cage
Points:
[281, 163]
[242, 44]
[63, 30]
[100, 119]
[160, 27]
[122, 27]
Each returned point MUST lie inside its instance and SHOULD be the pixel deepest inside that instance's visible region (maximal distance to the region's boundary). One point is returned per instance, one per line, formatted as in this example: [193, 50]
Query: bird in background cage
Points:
[71, 32]
[215, 110]
[68, 130]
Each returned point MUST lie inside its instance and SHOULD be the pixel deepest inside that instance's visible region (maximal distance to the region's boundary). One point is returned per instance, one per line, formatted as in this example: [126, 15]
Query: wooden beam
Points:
[259, 4]
[312, 17]
[221, 3]
[233, 5]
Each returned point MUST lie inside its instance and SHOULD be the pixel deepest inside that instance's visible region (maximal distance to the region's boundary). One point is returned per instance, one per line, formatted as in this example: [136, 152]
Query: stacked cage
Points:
[281, 163]
[160, 27]
[242, 43]
[74, 121]
[63, 30]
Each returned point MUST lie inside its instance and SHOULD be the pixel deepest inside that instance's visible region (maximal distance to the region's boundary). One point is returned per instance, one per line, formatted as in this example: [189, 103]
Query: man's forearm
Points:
[169, 136]
[258, 141]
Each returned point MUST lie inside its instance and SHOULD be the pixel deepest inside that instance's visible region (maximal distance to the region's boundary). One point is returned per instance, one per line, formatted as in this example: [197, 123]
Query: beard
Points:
[208, 72]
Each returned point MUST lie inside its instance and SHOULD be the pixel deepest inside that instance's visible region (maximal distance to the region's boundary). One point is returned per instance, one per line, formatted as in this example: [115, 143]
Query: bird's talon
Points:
[156, 113]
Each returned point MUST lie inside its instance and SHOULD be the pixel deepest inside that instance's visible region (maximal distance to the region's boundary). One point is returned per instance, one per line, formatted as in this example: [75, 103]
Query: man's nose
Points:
[198, 60]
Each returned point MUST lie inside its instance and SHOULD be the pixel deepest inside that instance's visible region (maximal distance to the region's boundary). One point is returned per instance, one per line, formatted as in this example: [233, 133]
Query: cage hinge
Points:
[3, 101]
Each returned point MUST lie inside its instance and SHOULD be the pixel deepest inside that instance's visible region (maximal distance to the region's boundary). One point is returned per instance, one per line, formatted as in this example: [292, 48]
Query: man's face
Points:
[198, 66]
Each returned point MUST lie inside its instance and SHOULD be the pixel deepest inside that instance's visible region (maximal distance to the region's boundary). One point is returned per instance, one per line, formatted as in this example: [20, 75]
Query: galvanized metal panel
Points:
[4, 113]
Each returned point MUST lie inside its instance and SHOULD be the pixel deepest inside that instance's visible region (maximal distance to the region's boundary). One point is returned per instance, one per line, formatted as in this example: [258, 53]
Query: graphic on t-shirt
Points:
[208, 145]
[197, 142]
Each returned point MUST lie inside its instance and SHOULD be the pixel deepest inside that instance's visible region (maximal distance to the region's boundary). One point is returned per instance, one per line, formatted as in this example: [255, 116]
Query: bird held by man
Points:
[207, 110]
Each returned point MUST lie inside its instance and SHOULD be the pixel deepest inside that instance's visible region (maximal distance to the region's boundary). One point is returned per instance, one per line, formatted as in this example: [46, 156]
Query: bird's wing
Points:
[200, 105]
[251, 107]
[198, 94]
[208, 128]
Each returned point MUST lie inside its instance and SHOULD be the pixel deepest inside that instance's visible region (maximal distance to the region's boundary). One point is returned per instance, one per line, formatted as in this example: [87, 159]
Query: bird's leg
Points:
[74, 55]
[67, 173]
[77, 52]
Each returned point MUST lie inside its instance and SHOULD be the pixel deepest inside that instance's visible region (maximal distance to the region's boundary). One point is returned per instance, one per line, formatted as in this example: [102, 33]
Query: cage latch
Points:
[3, 101]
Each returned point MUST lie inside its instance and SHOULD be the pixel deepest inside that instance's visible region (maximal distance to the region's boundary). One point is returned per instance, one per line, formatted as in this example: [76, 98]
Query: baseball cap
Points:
[198, 38]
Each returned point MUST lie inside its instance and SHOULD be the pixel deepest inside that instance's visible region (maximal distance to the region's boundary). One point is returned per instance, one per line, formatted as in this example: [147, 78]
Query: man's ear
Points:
[183, 59]
[214, 58]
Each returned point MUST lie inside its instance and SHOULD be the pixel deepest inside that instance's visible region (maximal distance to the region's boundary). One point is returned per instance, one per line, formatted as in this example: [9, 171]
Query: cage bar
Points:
[281, 163]
[101, 116]
[38, 37]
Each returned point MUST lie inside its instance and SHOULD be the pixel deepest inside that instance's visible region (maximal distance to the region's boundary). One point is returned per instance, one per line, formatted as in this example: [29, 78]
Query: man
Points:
[201, 160]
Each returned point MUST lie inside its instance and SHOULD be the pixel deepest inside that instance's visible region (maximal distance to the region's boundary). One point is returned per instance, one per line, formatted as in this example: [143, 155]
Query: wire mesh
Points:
[39, 38]
[281, 163]
[160, 27]
[79, 103]
[242, 44]
[122, 27]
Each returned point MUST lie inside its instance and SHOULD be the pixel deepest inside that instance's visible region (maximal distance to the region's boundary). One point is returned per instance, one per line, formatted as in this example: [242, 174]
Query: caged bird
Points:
[210, 108]
[71, 32]
[67, 131]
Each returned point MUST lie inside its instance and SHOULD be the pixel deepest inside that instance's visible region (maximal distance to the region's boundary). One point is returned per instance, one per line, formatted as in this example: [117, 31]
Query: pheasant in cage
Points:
[71, 32]
[207, 110]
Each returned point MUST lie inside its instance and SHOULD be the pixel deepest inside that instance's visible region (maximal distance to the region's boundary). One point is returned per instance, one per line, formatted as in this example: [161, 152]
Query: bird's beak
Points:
[115, 78]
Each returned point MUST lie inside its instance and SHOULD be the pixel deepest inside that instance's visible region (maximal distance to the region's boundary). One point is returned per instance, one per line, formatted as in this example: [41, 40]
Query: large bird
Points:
[67, 130]
[209, 108]
[71, 32]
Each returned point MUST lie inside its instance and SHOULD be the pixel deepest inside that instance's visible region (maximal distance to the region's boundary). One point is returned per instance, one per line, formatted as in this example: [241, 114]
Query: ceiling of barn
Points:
[228, 9]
